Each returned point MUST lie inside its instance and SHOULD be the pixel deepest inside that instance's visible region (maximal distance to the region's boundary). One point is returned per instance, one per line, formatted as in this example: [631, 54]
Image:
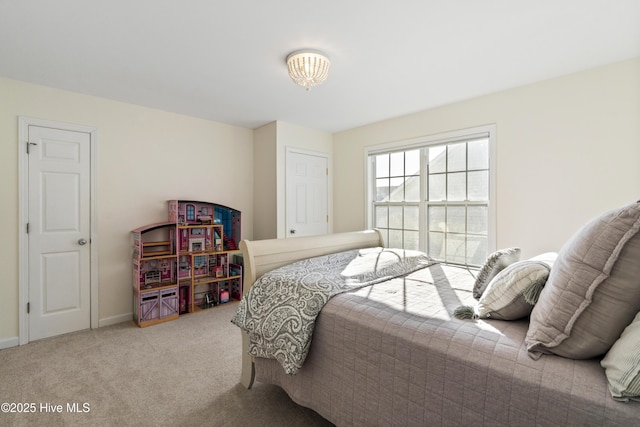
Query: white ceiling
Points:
[225, 60]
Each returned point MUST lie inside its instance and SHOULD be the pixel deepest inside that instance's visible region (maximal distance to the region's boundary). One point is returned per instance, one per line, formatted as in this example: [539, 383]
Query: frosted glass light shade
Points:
[308, 68]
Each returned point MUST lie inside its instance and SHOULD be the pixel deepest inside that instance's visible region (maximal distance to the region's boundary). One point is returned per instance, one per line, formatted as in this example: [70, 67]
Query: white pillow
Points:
[507, 295]
[512, 293]
[622, 364]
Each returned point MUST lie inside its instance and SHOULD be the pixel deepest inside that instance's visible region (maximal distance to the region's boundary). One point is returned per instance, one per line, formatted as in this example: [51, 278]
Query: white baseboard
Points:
[115, 319]
[15, 341]
[9, 342]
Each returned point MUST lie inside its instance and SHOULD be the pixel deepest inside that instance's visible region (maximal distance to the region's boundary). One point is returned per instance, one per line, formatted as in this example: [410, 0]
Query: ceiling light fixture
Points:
[308, 68]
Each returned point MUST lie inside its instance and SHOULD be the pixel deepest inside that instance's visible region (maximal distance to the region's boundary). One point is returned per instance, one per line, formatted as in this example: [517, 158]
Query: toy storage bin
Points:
[168, 302]
[149, 306]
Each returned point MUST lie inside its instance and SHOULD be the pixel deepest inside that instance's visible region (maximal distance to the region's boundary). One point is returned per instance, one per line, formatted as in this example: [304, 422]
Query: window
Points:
[435, 196]
[191, 213]
[397, 203]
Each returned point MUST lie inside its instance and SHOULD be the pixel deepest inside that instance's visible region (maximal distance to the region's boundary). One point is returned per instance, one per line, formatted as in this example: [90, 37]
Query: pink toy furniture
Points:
[187, 264]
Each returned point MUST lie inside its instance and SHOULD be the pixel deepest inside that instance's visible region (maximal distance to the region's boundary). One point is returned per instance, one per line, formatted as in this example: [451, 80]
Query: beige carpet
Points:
[180, 373]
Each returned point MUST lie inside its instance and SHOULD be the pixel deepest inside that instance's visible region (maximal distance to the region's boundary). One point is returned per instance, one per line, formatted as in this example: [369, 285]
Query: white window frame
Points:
[426, 141]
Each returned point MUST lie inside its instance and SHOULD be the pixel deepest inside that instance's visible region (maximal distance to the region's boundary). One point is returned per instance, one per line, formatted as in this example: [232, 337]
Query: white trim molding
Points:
[113, 320]
[9, 342]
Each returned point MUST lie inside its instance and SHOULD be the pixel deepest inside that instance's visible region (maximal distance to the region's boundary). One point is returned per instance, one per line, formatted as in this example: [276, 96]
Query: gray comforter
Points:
[392, 354]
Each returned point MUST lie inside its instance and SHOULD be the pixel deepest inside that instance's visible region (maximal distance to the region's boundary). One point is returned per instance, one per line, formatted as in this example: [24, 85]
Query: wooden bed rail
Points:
[261, 256]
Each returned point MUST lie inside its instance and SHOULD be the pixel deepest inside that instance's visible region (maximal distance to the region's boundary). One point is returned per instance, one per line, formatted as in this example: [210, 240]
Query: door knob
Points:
[82, 242]
[292, 231]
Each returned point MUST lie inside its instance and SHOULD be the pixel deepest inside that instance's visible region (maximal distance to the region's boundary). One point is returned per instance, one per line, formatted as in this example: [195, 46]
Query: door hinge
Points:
[27, 228]
[327, 218]
[29, 144]
[28, 307]
[327, 171]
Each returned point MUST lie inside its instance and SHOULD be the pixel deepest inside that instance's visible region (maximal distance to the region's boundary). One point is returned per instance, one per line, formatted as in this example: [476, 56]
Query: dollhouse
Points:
[155, 294]
[187, 264]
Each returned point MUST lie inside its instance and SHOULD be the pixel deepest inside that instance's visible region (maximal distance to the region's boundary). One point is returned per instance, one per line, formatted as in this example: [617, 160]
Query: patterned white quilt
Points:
[280, 309]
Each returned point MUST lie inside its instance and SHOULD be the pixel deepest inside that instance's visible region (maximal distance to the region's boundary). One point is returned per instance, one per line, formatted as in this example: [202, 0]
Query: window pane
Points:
[385, 237]
[477, 220]
[382, 190]
[397, 164]
[457, 188]
[457, 157]
[382, 217]
[382, 165]
[396, 186]
[479, 185]
[435, 248]
[411, 218]
[412, 189]
[437, 187]
[395, 217]
[395, 239]
[411, 240]
[437, 218]
[477, 248]
[412, 162]
[456, 219]
[479, 154]
[456, 248]
[437, 159]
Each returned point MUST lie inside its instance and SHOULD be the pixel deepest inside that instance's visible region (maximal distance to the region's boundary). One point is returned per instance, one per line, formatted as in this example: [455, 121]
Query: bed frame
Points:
[261, 256]
[378, 365]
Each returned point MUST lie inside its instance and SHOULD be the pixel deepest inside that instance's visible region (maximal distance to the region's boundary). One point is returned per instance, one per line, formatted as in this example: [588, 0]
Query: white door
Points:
[306, 195]
[59, 255]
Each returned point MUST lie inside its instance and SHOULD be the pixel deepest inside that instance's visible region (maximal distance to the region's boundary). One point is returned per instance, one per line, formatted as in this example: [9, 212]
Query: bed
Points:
[392, 353]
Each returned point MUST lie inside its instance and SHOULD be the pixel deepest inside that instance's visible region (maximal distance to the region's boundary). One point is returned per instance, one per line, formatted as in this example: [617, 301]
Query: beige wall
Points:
[265, 182]
[271, 143]
[144, 158]
[567, 150]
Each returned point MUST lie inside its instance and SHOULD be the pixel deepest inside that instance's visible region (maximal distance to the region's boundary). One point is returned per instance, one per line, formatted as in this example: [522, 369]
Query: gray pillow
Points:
[593, 290]
[622, 364]
[495, 263]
